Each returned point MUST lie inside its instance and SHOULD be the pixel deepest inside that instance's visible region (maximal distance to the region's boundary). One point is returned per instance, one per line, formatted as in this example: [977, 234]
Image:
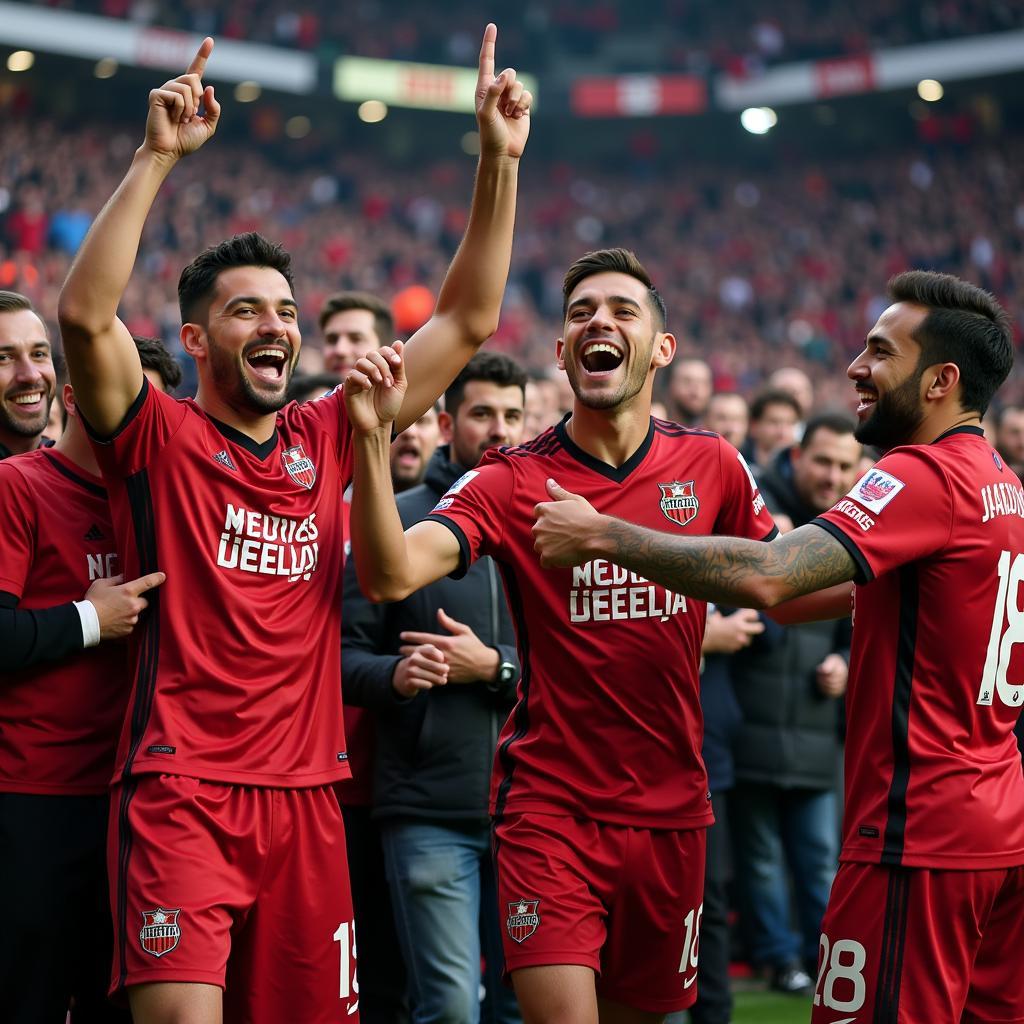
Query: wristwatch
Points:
[506, 673]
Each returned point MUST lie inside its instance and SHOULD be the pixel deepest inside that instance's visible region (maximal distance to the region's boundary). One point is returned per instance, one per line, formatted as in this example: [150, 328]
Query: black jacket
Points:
[789, 735]
[434, 752]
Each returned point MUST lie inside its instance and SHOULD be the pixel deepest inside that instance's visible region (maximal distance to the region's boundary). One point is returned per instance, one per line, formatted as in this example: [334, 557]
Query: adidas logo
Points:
[94, 533]
[224, 459]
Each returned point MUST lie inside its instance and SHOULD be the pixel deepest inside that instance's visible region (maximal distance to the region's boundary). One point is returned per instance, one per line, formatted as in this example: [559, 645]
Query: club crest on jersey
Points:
[299, 465]
[876, 489]
[160, 931]
[678, 502]
[522, 919]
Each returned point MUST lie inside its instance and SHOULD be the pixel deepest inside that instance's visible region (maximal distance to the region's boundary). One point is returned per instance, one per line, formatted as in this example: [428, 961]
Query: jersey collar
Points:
[977, 431]
[618, 474]
[235, 436]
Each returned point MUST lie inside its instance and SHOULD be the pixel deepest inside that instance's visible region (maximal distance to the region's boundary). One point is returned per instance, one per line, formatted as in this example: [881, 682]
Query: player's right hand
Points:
[727, 634]
[375, 389]
[118, 605]
[422, 670]
[175, 127]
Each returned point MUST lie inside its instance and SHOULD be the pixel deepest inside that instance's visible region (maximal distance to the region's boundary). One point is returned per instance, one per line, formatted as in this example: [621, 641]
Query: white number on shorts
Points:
[1000, 642]
[346, 937]
[690, 946]
[834, 969]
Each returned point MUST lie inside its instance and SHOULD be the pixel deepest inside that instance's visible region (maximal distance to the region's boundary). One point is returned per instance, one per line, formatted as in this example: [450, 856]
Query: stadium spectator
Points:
[258, 787]
[774, 415]
[727, 414]
[440, 669]
[28, 379]
[63, 607]
[1009, 439]
[352, 323]
[798, 384]
[595, 855]
[689, 390]
[303, 387]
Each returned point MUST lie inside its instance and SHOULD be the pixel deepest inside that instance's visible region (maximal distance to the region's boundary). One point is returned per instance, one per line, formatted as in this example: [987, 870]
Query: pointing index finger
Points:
[486, 73]
[198, 65]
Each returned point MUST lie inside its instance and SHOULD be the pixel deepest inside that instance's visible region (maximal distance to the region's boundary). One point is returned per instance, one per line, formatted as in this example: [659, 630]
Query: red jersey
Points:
[608, 724]
[59, 720]
[933, 774]
[237, 664]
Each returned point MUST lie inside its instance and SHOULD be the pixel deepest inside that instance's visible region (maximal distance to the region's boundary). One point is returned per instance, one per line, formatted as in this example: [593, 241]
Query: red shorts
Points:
[922, 946]
[237, 886]
[625, 901]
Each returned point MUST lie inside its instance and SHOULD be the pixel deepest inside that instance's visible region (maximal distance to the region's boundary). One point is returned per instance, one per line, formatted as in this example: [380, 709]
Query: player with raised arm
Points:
[599, 794]
[227, 854]
[929, 899]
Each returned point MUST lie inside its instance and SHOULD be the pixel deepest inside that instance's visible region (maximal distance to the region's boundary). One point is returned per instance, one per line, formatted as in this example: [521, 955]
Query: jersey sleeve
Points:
[329, 413]
[17, 529]
[899, 511]
[475, 507]
[743, 512]
[150, 423]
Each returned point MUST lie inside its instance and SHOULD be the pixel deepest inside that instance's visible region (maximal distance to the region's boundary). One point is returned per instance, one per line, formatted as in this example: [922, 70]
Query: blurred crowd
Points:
[700, 36]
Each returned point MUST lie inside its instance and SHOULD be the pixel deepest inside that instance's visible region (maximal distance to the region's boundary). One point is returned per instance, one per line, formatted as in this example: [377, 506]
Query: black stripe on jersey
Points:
[133, 411]
[464, 553]
[894, 936]
[672, 429]
[521, 712]
[906, 643]
[543, 444]
[75, 478]
[124, 851]
[864, 573]
[617, 474]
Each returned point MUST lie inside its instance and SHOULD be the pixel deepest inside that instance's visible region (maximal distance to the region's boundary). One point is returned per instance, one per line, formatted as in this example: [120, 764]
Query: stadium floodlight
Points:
[298, 127]
[21, 60]
[471, 143]
[246, 92]
[106, 67]
[759, 120]
[372, 111]
[929, 90]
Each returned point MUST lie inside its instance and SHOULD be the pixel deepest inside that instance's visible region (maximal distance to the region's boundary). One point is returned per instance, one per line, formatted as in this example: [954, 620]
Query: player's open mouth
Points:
[407, 455]
[867, 399]
[599, 358]
[30, 401]
[268, 362]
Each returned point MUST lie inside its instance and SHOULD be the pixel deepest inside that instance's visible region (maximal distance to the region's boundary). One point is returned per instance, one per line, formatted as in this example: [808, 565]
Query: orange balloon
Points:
[412, 308]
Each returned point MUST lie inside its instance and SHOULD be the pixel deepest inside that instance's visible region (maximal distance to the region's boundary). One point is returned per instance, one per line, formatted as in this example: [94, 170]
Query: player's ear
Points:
[446, 425]
[191, 340]
[68, 398]
[664, 350]
[944, 379]
[560, 353]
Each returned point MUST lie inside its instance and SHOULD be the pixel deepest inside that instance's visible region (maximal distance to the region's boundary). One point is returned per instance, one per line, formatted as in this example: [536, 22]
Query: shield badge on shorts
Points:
[679, 503]
[160, 931]
[522, 919]
[299, 465]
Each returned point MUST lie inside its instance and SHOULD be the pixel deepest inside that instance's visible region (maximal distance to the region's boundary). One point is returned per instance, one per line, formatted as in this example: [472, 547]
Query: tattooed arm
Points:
[726, 570]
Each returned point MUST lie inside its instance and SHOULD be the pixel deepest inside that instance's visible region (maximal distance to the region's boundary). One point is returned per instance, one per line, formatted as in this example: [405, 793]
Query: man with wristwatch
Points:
[440, 669]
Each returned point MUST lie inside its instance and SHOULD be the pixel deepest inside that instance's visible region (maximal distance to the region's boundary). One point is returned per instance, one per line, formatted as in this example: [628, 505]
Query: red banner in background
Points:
[639, 96]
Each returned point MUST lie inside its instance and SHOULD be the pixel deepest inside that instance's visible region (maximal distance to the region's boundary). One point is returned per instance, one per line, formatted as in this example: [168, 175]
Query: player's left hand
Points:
[469, 659]
[562, 527]
[502, 105]
[831, 676]
[375, 389]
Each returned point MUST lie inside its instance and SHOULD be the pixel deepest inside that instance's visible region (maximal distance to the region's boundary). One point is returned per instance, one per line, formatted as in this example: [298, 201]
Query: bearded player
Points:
[927, 910]
[599, 795]
[227, 851]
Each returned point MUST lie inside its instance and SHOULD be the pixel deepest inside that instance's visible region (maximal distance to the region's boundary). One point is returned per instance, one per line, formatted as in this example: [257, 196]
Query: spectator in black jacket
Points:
[788, 684]
[440, 670]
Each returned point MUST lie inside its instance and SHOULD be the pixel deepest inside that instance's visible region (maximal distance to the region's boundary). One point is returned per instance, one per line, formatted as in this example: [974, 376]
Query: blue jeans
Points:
[446, 911]
[786, 842]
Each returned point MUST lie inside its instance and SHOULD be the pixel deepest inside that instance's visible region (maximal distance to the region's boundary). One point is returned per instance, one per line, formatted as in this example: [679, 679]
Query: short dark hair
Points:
[303, 386]
[383, 321]
[492, 367]
[153, 355]
[834, 420]
[199, 278]
[772, 396]
[965, 325]
[619, 261]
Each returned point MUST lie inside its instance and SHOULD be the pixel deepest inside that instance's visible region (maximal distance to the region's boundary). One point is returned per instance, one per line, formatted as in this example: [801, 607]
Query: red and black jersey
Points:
[933, 774]
[607, 725]
[59, 720]
[237, 665]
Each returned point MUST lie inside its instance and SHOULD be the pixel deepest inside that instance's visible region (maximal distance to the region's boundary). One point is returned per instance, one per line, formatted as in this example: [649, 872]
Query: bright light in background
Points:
[929, 90]
[471, 143]
[759, 120]
[246, 92]
[105, 68]
[297, 127]
[372, 111]
[21, 60]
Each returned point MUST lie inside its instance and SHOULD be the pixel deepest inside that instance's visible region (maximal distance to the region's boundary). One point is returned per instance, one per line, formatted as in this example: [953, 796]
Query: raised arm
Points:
[102, 359]
[470, 299]
[726, 570]
[390, 563]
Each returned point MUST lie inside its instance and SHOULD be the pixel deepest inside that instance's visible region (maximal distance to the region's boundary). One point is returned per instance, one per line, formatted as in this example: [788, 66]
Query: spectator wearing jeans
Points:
[788, 684]
[440, 670]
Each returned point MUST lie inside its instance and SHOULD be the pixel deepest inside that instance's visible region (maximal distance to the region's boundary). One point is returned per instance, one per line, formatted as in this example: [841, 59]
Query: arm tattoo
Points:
[730, 570]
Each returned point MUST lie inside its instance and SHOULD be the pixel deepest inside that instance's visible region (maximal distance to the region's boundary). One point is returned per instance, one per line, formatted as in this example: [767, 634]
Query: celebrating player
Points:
[599, 794]
[27, 379]
[227, 853]
[929, 897]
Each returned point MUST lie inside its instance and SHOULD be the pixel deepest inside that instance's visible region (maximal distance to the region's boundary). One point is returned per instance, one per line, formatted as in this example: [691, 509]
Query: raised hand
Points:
[502, 104]
[375, 388]
[175, 127]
